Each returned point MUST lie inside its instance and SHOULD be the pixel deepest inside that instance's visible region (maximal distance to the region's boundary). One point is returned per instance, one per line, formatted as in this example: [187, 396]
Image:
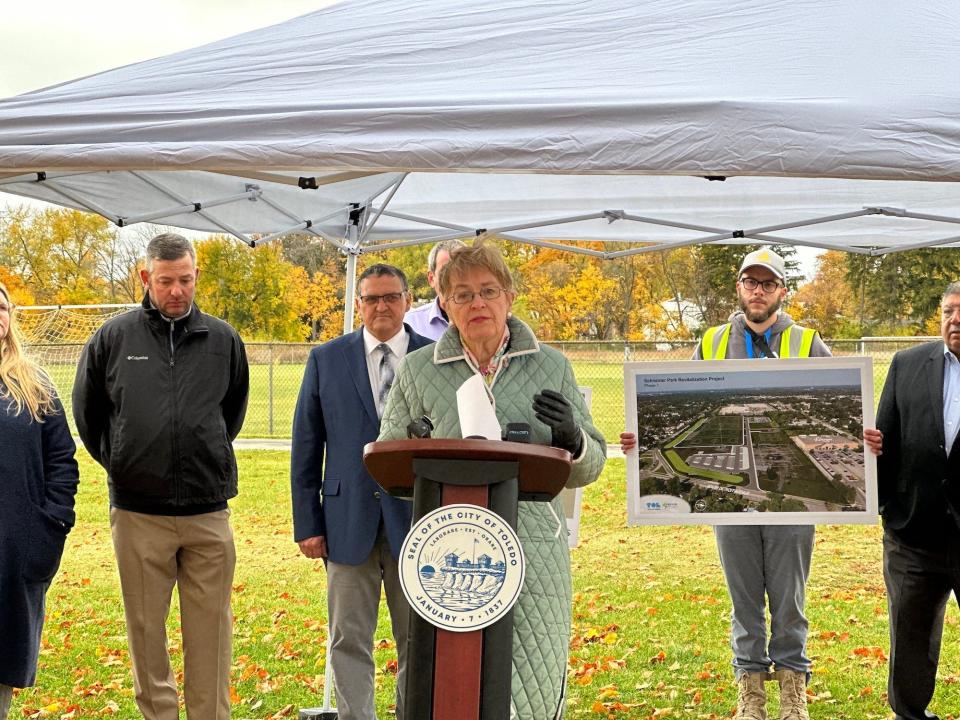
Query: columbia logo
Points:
[138, 357]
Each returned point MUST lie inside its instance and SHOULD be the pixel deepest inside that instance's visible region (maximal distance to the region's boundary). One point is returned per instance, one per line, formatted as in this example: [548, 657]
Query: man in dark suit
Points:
[340, 514]
[918, 479]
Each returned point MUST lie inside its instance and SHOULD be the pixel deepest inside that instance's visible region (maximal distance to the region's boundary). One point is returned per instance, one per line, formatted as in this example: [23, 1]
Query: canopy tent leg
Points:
[326, 712]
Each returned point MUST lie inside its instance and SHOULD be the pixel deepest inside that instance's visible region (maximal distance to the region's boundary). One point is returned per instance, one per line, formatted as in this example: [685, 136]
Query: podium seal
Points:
[461, 567]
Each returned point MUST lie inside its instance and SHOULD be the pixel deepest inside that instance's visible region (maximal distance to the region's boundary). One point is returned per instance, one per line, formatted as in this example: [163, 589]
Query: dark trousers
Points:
[919, 582]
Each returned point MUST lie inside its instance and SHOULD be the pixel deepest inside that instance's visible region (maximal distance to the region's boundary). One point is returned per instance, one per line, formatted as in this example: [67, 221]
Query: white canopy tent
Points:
[376, 123]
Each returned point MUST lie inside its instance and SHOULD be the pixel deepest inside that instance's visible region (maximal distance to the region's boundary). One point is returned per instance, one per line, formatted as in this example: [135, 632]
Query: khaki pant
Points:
[6, 694]
[195, 553]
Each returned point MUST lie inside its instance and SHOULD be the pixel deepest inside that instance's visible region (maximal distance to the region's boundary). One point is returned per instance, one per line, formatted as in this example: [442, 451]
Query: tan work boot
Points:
[751, 697]
[793, 695]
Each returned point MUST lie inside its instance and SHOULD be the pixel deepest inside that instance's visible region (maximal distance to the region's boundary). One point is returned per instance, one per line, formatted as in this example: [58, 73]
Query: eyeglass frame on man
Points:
[768, 286]
[388, 298]
[491, 292]
[7, 307]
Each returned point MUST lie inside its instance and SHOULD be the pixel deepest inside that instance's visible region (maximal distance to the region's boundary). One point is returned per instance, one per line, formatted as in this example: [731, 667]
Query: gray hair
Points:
[952, 289]
[444, 245]
[381, 269]
[169, 246]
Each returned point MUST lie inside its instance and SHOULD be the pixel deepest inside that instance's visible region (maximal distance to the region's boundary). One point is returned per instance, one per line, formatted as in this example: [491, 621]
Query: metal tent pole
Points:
[326, 712]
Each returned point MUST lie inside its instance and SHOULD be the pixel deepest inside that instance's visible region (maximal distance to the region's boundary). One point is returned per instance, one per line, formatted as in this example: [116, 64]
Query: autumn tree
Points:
[58, 253]
[899, 292]
[324, 307]
[827, 302]
[566, 295]
[256, 290]
[19, 292]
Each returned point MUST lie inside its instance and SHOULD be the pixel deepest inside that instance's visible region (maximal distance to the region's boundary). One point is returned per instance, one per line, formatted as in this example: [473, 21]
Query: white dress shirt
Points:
[951, 397]
[398, 346]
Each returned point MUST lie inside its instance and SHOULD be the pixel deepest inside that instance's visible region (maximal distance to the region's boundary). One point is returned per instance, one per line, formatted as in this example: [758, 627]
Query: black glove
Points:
[555, 410]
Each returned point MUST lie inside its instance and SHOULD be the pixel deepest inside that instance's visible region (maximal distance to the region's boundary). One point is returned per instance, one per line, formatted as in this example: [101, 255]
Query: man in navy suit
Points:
[918, 482]
[340, 514]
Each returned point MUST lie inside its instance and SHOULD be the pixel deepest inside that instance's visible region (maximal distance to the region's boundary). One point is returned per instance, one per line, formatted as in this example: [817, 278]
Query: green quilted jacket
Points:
[426, 384]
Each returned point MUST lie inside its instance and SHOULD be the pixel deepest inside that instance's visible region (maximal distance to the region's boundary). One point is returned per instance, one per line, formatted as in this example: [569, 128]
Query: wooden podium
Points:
[463, 675]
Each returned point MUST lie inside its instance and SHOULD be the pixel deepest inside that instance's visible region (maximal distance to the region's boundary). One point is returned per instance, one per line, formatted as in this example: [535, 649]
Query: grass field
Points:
[274, 389]
[680, 465]
[717, 430]
[273, 396]
[650, 625]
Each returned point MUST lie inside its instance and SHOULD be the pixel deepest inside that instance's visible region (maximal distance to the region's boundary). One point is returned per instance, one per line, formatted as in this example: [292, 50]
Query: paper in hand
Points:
[477, 416]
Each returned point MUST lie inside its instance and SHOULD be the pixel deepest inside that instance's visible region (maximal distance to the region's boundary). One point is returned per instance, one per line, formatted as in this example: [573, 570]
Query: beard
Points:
[760, 316]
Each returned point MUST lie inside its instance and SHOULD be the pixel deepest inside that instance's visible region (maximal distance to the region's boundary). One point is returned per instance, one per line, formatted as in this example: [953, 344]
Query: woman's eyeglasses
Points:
[464, 296]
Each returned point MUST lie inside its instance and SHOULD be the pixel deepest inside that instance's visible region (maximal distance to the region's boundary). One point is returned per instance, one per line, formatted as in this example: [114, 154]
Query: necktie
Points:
[386, 377]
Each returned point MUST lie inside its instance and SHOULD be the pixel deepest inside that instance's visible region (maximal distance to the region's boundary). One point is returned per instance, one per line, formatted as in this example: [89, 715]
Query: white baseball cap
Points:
[765, 258]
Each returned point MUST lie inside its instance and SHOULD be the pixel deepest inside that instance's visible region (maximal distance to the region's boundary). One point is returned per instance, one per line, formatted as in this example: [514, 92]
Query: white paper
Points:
[477, 416]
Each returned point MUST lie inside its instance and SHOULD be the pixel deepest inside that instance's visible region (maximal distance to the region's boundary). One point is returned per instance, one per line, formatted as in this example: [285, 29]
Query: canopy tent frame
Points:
[372, 213]
[364, 214]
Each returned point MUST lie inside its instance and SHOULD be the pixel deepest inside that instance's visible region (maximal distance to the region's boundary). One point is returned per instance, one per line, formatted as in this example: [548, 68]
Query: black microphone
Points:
[517, 432]
[420, 428]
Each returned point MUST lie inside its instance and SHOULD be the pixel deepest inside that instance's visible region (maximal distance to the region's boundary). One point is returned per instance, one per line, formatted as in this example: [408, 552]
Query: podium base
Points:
[318, 714]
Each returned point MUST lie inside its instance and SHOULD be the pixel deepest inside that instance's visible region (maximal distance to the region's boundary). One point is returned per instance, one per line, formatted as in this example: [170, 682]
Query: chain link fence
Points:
[276, 370]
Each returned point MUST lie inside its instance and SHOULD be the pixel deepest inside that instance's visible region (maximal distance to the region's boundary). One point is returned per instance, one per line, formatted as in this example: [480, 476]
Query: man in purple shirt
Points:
[429, 319]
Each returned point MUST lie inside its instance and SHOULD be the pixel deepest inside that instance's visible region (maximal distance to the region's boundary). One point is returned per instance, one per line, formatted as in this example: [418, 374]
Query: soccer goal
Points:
[54, 336]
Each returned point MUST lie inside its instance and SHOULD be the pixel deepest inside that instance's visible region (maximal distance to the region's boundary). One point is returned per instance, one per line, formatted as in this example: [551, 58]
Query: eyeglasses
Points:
[389, 298]
[5, 308]
[768, 286]
[464, 296]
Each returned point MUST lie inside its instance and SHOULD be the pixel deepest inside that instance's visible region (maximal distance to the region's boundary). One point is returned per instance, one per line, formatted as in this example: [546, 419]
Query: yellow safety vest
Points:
[795, 342]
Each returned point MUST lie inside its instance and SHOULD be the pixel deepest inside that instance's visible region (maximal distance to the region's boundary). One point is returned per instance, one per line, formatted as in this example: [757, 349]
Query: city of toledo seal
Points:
[461, 567]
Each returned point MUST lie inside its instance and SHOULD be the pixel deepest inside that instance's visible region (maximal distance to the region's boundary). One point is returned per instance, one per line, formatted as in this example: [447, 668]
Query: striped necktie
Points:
[386, 377]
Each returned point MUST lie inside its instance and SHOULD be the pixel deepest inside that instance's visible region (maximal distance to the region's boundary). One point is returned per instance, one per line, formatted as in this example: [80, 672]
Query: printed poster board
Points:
[748, 442]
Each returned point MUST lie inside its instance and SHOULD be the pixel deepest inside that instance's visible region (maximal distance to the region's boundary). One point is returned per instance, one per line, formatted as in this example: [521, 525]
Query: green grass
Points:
[681, 466]
[685, 434]
[651, 617]
[274, 389]
[717, 430]
[273, 396]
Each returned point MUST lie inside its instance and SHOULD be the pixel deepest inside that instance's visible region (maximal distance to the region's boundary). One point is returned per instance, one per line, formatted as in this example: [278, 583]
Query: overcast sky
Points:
[49, 42]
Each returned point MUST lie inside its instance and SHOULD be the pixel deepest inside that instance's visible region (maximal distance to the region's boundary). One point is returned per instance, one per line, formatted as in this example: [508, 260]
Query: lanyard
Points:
[748, 339]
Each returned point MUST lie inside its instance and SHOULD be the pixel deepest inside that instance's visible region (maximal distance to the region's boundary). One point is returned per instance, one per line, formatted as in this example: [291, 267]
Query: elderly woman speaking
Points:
[526, 382]
[38, 481]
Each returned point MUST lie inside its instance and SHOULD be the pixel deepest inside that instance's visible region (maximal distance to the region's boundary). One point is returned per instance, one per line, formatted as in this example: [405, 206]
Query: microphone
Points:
[420, 428]
[517, 432]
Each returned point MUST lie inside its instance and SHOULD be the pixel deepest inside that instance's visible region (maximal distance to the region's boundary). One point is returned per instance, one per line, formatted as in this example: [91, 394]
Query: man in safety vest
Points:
[761, 561]
[765, 560]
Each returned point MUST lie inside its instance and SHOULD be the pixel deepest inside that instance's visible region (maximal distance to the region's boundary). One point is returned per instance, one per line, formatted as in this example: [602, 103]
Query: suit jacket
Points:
[335, 417]
[917, 482]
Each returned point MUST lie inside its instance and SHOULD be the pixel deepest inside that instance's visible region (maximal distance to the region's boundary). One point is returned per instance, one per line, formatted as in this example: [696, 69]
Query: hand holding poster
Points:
[743, 442]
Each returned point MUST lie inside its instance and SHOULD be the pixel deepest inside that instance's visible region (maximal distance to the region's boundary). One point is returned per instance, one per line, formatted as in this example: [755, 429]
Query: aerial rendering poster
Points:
[745, 442]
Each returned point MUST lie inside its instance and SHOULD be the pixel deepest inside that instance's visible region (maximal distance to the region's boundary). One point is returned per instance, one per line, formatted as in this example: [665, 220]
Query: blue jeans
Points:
[763, 562]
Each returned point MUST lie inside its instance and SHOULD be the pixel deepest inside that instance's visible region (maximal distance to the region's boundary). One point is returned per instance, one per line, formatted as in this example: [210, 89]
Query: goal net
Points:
[54, 336]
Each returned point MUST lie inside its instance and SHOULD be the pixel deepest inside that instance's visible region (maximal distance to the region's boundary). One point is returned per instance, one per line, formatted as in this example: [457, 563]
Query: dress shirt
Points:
[951, 397]
[427, 320]
[398, 346]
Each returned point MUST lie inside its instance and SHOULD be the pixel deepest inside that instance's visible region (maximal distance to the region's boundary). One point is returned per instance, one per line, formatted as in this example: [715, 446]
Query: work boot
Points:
[751, 697]
[793, 695]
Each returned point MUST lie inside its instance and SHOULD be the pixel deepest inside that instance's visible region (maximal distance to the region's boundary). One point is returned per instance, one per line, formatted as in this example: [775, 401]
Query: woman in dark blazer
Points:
[38, 481]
